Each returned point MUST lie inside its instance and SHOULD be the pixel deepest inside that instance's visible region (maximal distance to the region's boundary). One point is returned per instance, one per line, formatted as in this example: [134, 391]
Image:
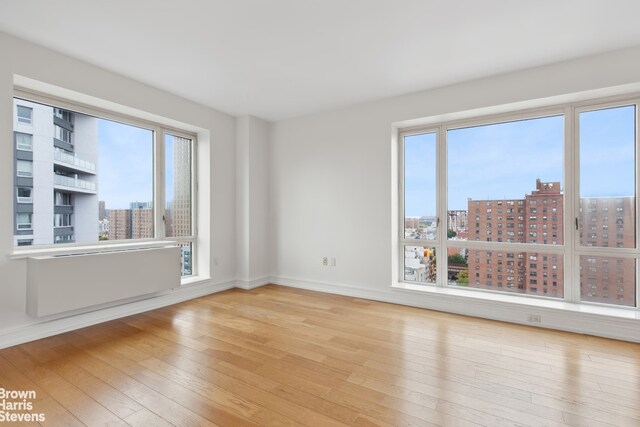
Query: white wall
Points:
[216, 168]
[252, 201]
[332, 179]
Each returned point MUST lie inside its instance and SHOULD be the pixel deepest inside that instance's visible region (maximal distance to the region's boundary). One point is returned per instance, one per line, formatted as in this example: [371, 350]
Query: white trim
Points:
[608, 322]
[252, 284]
[570, 250]
[55, 250]
[49, 328]
[578, 318]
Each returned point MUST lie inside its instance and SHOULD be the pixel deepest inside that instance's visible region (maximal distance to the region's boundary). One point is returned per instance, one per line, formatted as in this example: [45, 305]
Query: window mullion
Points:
[637, 202]
[441, 192]
[159, 184]
[571, 191]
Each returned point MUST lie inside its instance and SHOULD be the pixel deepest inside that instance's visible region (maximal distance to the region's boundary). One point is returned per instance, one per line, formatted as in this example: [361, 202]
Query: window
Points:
[608, 180]
[24, 141]
[62, 134]
[62, 220]
[123, 179]
[489, 151]
[480, 166]
[24, 195]
[62, 199]
[66, 238]
[23, 221]
[419, 185]
[63, 114]
[178, 218]
[24, 114]
[24, 168]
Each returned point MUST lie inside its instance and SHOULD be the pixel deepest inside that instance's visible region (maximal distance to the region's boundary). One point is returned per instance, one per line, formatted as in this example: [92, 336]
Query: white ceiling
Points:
[277, 59]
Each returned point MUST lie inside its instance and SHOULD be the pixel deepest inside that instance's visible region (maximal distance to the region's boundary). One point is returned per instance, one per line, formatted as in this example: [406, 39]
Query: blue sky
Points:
[503, 161]
[125, 169]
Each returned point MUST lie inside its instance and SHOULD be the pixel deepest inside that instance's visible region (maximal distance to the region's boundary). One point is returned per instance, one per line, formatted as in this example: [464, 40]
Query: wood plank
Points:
[282, 356]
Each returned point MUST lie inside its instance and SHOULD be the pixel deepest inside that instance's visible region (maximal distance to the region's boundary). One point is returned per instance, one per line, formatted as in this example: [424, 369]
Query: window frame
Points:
[159, 131]
[24, 199]
[29, 224]
[23, 120]
[570, 250]
[21, 146]
[23, 174]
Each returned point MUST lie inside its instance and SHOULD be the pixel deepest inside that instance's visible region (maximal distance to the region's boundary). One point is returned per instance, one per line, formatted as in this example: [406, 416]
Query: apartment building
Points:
[55, 155]
[539, 218]
[179, 210]
[133, 223]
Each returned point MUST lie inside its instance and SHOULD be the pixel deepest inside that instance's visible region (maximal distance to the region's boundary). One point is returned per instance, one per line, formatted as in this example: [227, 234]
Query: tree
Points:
[451, 233]
[456, 259]
[463, 278]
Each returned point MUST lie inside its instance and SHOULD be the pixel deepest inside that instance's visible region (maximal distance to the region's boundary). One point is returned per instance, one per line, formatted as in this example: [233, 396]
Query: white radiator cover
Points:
[65, 283]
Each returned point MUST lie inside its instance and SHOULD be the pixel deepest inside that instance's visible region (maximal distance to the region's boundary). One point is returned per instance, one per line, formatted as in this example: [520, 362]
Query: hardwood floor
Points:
[281, 356]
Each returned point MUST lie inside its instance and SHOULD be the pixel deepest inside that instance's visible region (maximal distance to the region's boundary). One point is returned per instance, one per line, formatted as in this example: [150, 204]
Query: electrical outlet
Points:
[534, 318]
[325, 261]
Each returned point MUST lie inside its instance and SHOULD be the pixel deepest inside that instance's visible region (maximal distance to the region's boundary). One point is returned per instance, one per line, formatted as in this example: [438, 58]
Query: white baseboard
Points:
[565, 317]
[252, 284]
[48, 328]
[574, 319]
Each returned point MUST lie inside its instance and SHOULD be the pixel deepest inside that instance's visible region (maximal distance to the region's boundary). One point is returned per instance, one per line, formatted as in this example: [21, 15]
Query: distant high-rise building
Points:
[539, 218]
[607, 222]
[141, 220]
[133, 223]
[119, 224]
[181, 203]
[102, 211]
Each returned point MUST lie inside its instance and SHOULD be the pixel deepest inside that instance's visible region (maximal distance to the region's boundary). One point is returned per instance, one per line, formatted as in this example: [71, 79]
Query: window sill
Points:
[522, 301]
[88, 249]
[194, 280]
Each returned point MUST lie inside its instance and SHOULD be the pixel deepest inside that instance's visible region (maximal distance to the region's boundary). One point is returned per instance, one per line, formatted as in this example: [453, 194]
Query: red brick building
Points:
[539, 218]
[607, 222]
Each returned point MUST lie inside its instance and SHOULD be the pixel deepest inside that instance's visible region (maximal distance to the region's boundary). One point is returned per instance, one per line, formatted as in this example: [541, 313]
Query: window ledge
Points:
[194, 280]
[88, 249]
[522, 301]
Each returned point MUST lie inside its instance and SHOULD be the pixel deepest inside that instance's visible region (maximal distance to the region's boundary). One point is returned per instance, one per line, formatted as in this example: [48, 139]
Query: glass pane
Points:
[24, 168]
[186, 258]
[420, 264]
[125, 181]
[24, 114]
[95, 178]
[517, 272]
[607, 177]
[23, 141]
[420, 186]
[505, 182]
[178, 186]
[608, 280]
